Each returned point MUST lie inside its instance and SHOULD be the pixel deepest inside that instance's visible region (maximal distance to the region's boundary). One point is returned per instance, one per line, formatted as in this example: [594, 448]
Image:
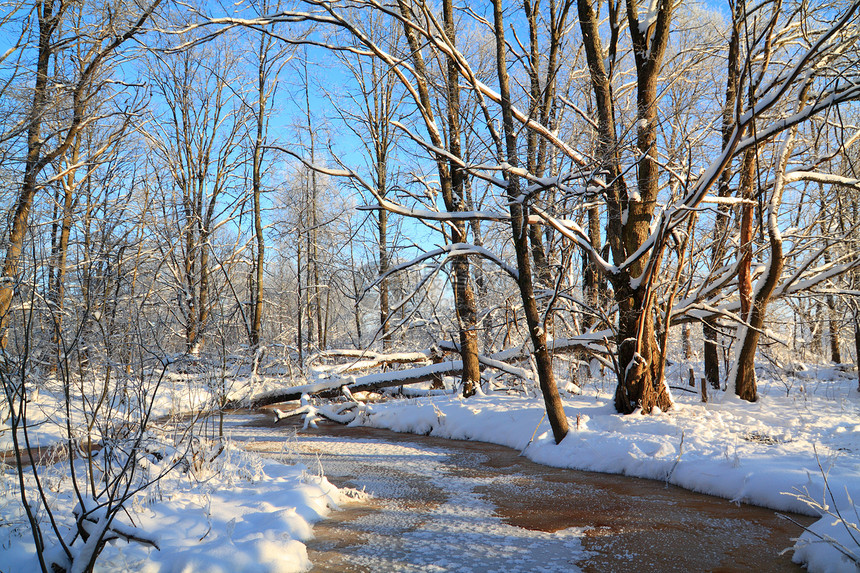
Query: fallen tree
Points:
[593, 343]
[379, 381]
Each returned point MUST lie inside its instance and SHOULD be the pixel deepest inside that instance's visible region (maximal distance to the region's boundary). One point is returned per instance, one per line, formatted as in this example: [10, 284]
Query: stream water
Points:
[442, 505]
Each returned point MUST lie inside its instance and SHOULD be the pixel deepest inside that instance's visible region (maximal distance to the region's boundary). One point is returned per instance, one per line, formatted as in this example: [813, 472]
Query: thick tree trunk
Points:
[467, 318]
[641, 384]
[629, 214]
[464, 296]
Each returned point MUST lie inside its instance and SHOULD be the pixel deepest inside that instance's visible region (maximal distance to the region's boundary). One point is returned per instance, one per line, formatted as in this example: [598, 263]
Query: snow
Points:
[180, 391]
[812, 549]
[241, 512]
[219, 509]
[648, 17]
[765, 453]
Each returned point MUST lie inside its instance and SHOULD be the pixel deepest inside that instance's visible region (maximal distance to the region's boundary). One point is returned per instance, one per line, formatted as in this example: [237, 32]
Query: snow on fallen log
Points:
[366, 359]
[332, 388]
[591, 342]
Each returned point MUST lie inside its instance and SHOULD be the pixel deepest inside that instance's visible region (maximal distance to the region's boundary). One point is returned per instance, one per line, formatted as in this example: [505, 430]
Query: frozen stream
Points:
[441, 505]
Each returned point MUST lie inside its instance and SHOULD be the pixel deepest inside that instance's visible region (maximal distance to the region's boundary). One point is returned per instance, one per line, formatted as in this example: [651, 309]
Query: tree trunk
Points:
[451, 183]
[204, 304]
[743, 378]
[709, 330]
[746, 233]
[835, 355]
[312, 284]
[519, 215]
[57, 293]
[711, 351]
[32, 167]
[257, 294]
[300, 307]
[464, 296]
[384, 310]
[857, 346]
[629, 215]
[832, 316]
[641, 384]
[592, 281]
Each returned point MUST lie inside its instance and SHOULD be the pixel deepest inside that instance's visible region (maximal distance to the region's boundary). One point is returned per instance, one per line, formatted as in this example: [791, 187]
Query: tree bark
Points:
[451, 183]
[709, 326]
[641, 384]
[519, 215]
[835, 354]
[746, 233]
[48, 22]
[384, 309]
[593, 281]
[857, 346]
[744, 379]
[464, 296]
[711, 353]
[259, 142]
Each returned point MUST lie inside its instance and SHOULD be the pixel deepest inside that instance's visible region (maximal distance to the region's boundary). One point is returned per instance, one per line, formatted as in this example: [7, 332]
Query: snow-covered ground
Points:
[171, 394]
[773, 453]
[217, 509]
[239, 512]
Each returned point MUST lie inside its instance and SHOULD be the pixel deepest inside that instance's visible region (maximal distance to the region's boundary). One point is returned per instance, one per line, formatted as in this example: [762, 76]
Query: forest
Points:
[627, 211]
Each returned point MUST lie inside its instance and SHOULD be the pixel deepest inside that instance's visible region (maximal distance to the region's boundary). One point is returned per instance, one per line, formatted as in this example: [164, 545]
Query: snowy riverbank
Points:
[237, 512]
[766, 453]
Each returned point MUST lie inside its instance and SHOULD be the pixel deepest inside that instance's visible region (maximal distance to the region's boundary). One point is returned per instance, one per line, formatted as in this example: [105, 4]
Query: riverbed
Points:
[442, 505]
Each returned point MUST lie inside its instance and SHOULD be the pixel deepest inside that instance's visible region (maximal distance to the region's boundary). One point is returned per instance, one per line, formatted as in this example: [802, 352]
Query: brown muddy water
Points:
[446, 505]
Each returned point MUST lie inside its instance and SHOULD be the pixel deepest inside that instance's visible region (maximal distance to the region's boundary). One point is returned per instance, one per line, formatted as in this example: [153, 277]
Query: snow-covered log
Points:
[592, 342]
[331, 388]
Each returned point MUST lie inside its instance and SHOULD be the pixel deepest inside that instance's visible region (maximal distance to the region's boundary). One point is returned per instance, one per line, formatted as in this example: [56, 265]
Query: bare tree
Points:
[198, 141]
[648, 191]
[269, 58]
[376, 102]
[105, 36]
[519, 222]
